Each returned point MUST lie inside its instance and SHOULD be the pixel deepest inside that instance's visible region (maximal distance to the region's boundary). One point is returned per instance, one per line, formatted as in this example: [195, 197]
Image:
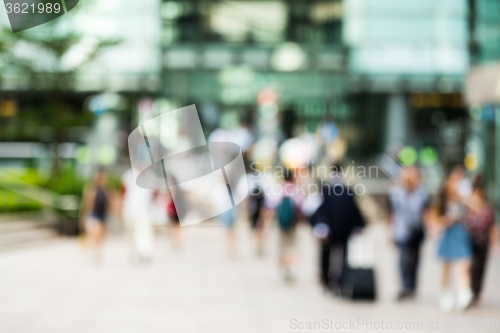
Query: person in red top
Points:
[173, 217]
[480, 223]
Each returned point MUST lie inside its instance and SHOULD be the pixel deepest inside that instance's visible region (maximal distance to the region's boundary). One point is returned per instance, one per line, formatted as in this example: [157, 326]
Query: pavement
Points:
[56, 288]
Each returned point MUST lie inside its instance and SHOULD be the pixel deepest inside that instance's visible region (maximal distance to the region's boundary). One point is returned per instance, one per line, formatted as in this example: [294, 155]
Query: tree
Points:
[39, 56]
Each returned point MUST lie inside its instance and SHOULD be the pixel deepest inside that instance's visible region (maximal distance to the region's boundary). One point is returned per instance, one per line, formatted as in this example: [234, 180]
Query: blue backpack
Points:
[286, 213]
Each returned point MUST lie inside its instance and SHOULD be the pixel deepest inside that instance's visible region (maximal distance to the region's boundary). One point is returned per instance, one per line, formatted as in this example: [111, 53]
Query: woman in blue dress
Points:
[454, 247]
[228, 220]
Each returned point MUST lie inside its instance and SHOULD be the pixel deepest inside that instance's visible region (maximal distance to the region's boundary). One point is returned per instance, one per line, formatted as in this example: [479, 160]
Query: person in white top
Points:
[136, 215]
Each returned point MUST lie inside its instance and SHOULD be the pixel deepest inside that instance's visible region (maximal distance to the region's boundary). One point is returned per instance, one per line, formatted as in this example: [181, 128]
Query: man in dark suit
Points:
[333, 222]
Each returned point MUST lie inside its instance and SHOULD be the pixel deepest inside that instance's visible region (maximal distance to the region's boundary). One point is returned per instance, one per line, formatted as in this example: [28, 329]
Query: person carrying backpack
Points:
[286, 216]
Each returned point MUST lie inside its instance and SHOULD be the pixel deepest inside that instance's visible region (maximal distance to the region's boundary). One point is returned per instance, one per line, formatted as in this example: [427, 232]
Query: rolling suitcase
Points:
[358, 282]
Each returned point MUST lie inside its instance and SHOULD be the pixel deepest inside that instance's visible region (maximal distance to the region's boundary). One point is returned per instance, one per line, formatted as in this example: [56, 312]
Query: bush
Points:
[67, 183]
[11, 202]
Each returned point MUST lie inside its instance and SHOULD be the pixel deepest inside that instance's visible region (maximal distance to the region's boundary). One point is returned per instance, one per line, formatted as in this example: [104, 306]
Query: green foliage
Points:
[46, 71]
[67, 183]
[28, 176]
[11, 202]
[37, 57]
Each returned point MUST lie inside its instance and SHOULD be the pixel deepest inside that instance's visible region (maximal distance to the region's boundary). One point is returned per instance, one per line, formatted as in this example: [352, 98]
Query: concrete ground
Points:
[56, 288]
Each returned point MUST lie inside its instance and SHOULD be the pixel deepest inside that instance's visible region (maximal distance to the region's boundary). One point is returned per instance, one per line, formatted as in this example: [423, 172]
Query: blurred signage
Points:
[8, 108]
[436, 100]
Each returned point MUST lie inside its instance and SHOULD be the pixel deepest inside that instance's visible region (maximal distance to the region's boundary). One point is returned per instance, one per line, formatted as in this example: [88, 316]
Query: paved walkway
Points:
[56, 289]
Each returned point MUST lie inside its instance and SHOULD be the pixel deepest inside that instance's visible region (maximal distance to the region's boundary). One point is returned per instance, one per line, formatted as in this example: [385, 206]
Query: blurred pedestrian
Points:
[94, 208]
[230, 130]
[173, 217]
[228, 219]
[480, 223]
[136, 206]
[333, 222]
[286, 216]
[256, 214]
[454, 247]
[408, 201]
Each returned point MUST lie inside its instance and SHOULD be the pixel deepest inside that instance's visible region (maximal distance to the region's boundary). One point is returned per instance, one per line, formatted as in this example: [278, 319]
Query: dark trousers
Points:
[408, 265]
[478, 265]
[333, 263]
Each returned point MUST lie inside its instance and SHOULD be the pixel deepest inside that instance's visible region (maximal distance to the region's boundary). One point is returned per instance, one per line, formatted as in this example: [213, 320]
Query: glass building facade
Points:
[221, 54]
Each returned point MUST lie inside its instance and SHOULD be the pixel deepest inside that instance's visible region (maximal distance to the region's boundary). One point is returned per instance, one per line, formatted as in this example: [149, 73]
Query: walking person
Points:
[454, 248]
[256, 210]
[94, 209]
[228, 219]
[136, 214]
[333, 222]
[287, 216]
[173, 216]
[408, 201]
[480, 223]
